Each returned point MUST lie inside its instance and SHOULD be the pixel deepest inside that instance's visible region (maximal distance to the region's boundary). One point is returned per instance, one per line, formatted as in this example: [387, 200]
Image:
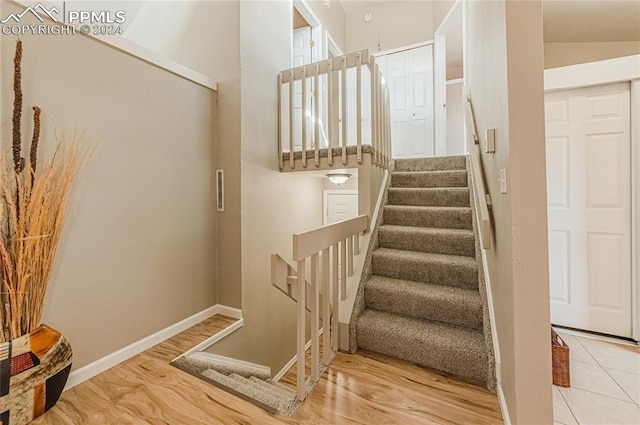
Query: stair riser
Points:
[416, 241]
[422, 351]
[441, 273]
[443, 179]
[438, 309]
[445, 219]
[443, 163]
[455, 197]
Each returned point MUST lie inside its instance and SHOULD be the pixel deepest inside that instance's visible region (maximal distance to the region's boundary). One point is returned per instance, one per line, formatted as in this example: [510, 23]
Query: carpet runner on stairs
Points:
[252, 385]
[422, 302]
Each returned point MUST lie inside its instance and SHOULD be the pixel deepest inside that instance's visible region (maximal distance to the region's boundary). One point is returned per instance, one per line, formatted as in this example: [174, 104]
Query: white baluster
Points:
[304, 117]
[301, 339]
[292, 136]
[359, 107]
[280, 158]
[316, 116]
[344, 110]
[326, 306]
[334, 307]
[343, 270]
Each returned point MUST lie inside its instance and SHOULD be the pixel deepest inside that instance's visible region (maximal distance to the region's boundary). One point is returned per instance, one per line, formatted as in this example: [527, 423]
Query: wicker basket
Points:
[560, 360]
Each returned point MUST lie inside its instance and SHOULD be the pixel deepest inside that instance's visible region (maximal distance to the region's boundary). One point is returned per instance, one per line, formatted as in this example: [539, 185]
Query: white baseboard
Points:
[293, 360]
[234, 313]
[215, 338]
[92, 369]
[503, 405]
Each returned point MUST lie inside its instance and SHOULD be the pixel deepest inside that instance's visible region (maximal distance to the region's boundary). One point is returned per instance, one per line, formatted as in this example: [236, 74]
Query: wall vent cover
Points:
[220, 189]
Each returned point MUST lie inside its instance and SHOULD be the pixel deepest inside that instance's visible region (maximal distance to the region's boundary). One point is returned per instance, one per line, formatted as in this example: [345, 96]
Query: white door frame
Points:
[316, 29]
[625, 69]
[440, 92]
[402, 48]
[325, 199]
[440, 79]
[332, 46]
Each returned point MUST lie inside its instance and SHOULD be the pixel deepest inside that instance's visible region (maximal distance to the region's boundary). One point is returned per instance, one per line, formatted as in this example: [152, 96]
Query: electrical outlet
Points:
[503, 180]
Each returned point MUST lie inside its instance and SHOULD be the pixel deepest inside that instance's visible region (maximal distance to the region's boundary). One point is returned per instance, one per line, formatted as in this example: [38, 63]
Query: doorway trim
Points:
[402, 48]
[440, 78]
[325, 199]
[316, 28]
[332, 46]
[625, 69]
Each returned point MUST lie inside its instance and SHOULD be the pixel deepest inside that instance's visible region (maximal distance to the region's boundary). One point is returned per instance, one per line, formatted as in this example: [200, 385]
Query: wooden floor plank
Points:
[363, 388]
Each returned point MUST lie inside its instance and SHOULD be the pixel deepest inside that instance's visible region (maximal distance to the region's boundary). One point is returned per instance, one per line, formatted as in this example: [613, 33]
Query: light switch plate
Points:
[503, 180]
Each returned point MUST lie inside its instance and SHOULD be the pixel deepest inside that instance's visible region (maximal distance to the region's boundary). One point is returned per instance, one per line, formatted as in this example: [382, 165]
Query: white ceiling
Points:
[574, 20]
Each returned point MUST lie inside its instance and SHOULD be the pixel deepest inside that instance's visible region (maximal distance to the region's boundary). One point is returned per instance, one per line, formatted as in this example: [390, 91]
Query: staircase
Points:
[422, 302]
[251, 384]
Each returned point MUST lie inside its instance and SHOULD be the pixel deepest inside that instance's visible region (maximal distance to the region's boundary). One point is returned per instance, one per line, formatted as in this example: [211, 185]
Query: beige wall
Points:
[563, 54]
[414, 17]
[225, 22]
[138, 252]
[332, 18]
[504, 68]
[275, 205]
[455, 120]
[190, 33]
[440, 10]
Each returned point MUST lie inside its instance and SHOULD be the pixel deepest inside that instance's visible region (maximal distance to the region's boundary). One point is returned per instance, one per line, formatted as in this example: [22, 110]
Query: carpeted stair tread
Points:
[438, 163]
[442, 269]
[248, 391]
[258, 384]
[430, 196]
[282, 386]
[450, 178]
[447, 304]
[269, 384]
[419, 216]
[452, 349]
[427, 239]
[196, 366]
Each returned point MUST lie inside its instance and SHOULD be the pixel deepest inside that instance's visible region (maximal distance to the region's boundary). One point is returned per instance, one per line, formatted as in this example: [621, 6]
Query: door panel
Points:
[558, 270]
[410, 79]
[589, 204]
[340, 205]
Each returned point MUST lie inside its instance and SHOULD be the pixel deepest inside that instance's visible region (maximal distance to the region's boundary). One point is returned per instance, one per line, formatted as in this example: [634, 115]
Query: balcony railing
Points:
[333, 108]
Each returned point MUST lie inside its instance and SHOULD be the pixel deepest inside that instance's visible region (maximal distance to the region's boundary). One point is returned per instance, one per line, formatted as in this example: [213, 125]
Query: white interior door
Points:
[340, 205]
[410, 78]
[589, 203]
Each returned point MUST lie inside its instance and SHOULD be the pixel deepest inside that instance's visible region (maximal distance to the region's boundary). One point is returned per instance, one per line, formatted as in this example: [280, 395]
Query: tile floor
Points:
[605, 383]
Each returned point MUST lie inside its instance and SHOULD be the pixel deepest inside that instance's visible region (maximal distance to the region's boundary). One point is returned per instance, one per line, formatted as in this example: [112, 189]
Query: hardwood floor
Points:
[363, 388]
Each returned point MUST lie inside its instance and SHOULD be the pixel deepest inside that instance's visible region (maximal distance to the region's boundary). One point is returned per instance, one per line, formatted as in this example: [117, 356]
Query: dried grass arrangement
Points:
[33, 207]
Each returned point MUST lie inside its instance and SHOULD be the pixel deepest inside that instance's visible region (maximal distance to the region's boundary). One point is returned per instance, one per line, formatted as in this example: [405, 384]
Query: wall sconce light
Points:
[338, 178]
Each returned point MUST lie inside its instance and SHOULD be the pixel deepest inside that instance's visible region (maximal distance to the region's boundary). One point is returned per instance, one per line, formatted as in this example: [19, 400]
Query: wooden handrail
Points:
[308, 243]
[325, 241]
[325, 66]
[483, 200]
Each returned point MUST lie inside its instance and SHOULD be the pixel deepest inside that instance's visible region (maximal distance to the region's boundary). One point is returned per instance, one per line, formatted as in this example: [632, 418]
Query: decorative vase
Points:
[33, 372]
